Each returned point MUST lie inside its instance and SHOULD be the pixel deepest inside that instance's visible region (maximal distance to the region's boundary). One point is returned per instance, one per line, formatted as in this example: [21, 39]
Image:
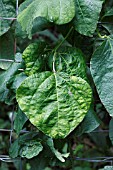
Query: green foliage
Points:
[64, 12]
[48, 85]
[87, 15]
[102, 76]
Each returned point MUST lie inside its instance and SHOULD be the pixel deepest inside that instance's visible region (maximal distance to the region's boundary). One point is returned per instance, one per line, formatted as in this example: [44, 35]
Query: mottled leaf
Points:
[69, 60]
[59, 12]
[87, 15]
[54, 102]
[102, 73]
[34, 58]
[31, 149]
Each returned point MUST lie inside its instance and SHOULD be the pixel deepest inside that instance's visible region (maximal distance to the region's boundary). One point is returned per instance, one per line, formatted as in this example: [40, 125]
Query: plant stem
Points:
[57, 47]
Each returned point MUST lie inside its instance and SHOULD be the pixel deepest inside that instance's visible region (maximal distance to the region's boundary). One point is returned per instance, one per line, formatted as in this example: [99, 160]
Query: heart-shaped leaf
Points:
[54, 102]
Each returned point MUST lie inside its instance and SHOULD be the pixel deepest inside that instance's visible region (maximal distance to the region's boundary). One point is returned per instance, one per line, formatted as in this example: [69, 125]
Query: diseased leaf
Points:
[87, 15]
[31, 149]
[21, 142]
[111, 130]
[57, 154]
[54, 102]
[102, 73]
[69, 60]
[59, 12]
[34, 58]
[7, 10]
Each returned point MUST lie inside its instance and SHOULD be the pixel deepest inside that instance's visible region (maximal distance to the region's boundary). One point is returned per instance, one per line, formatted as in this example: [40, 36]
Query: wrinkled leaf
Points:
[34, 58]
[54, 102]
[7, 10]
[31, 149]
[102, 73]
[69, 60]
[59, 12]
[87, 15]
[23, 140]
[57, 154]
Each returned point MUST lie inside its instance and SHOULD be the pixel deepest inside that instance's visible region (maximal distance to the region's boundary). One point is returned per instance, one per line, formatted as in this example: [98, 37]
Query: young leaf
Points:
[102, 73]
[54, 102]
[30, 149]
[59, 12]
[87, 15]
[69, 60]
[33, 57]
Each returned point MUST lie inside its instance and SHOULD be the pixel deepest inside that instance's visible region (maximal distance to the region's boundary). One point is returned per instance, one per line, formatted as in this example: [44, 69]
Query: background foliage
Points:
[46, 53]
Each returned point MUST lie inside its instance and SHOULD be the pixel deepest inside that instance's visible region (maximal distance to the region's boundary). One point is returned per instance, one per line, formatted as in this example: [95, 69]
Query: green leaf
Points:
[15, 81]
[69, 60]
[19, 121]
[64, 12]
[31, 149]
[111, 130]
[34, 58]
[7, 10]
[14, 149]
[5, 77]
[102, 73]
[87, 15]
[6, 50]
[54, 102]
[108, 13]
[21, 142]
[57, 154]
[89, 123]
